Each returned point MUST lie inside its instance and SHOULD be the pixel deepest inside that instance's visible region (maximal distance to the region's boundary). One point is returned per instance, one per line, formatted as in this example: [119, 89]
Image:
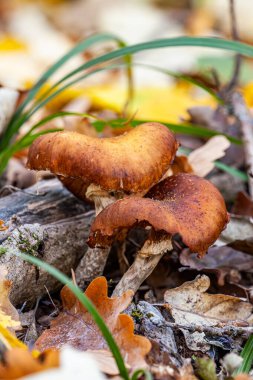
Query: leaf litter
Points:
[195, 324]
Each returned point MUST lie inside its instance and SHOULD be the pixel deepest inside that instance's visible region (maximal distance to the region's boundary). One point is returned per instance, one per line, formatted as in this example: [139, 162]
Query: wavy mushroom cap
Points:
[132, 162]
[182, 204]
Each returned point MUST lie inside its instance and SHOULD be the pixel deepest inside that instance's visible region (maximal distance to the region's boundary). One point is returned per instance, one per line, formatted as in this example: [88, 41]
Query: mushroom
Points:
[103, 170]
[182, 204]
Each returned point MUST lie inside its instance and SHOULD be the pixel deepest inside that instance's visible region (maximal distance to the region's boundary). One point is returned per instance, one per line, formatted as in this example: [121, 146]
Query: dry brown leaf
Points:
[189, 304]
[243, 205]
[243, 376]
[202, 159]
[2, 226]
[225, 262]
[238, 234]
[75, 326]
[8, 314]
[19, 363]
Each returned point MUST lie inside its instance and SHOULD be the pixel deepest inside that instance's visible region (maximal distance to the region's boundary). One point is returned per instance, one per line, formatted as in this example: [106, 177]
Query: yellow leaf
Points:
[9, 43]
[166, 104]
[8, 314]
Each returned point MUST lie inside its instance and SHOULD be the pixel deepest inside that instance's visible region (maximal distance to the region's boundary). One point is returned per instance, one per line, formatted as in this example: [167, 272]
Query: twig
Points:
[238, 59]
[243, 115]
[219, 331]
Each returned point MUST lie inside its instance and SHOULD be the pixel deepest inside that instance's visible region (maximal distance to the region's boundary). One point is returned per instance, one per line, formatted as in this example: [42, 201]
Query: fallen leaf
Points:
[238, 234]
[19, 363]
[8, 314]
[73, 365]
[189, 304]
[2, 226]
[75, 326]
[243, 205]
[8, 340]
[224, 262]
[202, 159]
[243, 376]
[166, 104]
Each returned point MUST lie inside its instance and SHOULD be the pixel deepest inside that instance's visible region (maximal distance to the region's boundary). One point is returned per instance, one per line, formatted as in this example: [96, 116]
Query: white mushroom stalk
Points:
[144, 264]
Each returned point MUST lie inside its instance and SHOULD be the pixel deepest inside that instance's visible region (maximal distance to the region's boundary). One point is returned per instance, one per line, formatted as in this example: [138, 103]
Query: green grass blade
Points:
[207, 42]
[183, 77]
[187, 129]
[142, 374]
[232, 171]
[77, 49]
[220, 165]
[235, 46]
[85, 301]
[163, 43]
[82, 46]
[21, 144]
[247, 355]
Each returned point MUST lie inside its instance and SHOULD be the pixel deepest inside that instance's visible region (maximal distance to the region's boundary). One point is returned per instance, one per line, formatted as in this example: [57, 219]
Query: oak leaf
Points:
[190, 305]
[19, 363]
[74, 326]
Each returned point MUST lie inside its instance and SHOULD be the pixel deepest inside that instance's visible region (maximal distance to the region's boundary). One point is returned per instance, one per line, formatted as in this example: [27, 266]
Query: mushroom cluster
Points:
[103, 170]
[121, 176]
[182, 204]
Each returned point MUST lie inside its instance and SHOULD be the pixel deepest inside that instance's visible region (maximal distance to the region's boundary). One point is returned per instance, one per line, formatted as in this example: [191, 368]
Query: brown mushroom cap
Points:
[132, 162]
[182, 204]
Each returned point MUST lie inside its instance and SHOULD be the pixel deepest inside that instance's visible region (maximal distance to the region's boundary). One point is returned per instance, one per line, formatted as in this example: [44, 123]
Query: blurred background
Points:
[34, 34]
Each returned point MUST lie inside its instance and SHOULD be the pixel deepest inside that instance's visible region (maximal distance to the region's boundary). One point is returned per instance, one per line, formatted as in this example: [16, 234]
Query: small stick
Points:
[213, 330]
[238, 58]
[243, 115]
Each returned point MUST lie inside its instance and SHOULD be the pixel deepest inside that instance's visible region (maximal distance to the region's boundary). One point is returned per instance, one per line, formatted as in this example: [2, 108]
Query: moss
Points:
[136, 314]
[3, 250]
[29, 245]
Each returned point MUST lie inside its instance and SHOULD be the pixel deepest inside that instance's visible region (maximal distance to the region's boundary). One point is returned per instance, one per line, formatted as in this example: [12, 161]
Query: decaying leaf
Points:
[238, 234]
[73, 364]
[75, 326]
[243, 205]
[8, 314]
[2, 226]
[189, 304]
[225, 262]
[19, 363]
[202, 159]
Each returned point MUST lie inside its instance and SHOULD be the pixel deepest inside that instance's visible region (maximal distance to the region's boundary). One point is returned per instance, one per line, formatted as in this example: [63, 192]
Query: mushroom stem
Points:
[145, 262]
[93, 262]
[91, 265]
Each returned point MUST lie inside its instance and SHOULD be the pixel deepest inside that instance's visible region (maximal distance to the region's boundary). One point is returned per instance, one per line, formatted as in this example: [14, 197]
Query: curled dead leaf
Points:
[75, 326]
[189, 304]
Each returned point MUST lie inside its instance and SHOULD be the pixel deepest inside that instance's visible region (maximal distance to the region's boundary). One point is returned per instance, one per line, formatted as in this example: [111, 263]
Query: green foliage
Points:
[88, 306]
[205, 369]
[23, 114]
[247, 355]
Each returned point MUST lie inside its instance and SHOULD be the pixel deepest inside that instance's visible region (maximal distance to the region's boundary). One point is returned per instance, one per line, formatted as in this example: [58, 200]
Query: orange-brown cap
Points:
[133, 162]
[182, 204]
